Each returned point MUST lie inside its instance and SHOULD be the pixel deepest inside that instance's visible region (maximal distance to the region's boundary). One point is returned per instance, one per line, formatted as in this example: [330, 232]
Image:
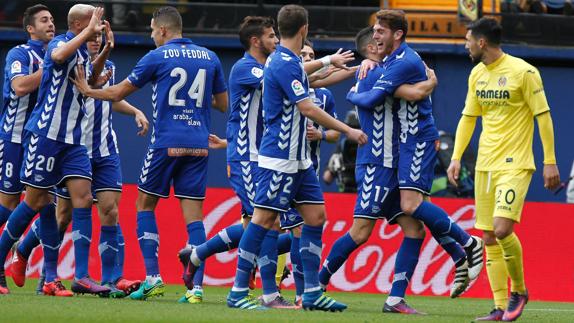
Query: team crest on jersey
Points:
[257, 72]
[16, 67]
[297, 87]
[502, 81]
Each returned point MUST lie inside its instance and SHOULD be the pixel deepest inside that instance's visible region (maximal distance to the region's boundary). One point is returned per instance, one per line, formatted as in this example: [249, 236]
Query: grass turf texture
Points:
[23, 305]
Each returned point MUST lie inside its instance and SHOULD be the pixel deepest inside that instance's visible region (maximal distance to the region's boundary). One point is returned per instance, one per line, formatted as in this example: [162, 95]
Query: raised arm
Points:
[60, 54]
[368, 99]
[418, 91]
[113, 93]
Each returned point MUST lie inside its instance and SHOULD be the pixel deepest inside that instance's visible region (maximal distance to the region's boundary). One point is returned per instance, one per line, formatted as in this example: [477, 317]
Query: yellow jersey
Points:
[507, 94]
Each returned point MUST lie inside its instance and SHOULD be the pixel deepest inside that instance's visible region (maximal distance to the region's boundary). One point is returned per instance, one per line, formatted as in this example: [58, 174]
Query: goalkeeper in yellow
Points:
[507, 93]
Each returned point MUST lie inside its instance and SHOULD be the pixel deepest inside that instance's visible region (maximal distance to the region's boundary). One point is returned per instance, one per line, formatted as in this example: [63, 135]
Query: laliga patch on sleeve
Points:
[60, 43]
[257, 72]
[297, 87]
[16, 67]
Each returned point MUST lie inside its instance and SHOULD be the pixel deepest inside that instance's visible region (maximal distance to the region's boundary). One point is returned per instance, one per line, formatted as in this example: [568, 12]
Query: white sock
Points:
[194, 259]
[152, 279]
[270, 297]
[469, 242]
[197, 288]
[393, 300]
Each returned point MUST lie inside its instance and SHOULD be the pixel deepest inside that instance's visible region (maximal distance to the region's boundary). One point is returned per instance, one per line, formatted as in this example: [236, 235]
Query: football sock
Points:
[51, 242]
[196, 237]
[267, 262]
[31, 239]
[340, 251]
[297, 266]
[118, 271]
[15, 227]
[148, 238]
[225, 240]
[108, 250]
[454, 250]
[249, 248]
[310, 247]
[497, 275]
[512, 252]
[82, 237]
[4, 214]
[405, 264]
[283, 244]
[438, 222]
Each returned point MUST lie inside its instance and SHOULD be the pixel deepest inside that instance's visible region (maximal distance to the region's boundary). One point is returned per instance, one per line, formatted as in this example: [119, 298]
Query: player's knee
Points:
[489, 238]
[502, 232]
[359, 236]
[415, 232]
[409, 206]
[109, 215]
[10, 201]
[63, 222]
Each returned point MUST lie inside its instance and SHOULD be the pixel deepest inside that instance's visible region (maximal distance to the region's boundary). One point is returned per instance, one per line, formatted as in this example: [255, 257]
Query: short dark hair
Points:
[308, 43]
[362, 39]
[290, 19]
[394, 19]
[253, 26]
[487, 28]
[169, 17]
[29, 14]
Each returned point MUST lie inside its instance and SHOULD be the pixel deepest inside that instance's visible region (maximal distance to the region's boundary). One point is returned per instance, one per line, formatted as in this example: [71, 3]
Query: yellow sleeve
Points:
[546, 130]
[533, 92]
[471, 106]
[464, 132]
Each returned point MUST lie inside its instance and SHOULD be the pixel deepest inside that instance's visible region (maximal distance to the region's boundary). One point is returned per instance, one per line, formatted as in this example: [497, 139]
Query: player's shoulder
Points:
[323, 90]
[109, 64]
[246, 64]
[519, 65]
[18, 51]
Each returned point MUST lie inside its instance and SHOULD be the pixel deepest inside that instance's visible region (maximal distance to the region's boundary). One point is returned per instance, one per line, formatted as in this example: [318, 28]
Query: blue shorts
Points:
[278, 191]
[378, 195]
[416, 166]
[107, 176]
[48, 162]
[188, 174]
[290, 219]
[11, 155]
[243, 176]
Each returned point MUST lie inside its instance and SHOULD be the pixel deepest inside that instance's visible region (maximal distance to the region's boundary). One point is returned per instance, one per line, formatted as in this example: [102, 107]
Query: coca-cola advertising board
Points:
[545, 233]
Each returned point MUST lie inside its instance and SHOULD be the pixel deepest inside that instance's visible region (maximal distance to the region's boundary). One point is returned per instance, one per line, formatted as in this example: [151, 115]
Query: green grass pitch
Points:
[23, 305]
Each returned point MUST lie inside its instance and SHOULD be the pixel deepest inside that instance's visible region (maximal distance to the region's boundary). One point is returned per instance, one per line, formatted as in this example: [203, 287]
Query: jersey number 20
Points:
[195, 92]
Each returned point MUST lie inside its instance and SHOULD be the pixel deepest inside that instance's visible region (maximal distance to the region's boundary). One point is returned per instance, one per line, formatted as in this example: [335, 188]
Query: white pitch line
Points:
[549, 310]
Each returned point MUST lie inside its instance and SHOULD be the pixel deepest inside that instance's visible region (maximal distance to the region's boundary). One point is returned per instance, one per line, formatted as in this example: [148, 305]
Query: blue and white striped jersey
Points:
[184, 77]
[323, 98]
[20, 61]
[60, 110]
[98, 135]
[284, 142]
[381, 124]
[245, 123]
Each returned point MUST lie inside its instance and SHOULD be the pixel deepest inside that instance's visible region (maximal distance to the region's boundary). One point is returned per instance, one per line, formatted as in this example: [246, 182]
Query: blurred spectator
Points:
[441, 185]
[341, 166]
[537, 6]
[560, 7]
[123, 14]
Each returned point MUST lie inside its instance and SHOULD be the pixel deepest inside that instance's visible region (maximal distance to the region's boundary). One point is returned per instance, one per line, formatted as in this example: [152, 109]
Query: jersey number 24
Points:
[195, 92]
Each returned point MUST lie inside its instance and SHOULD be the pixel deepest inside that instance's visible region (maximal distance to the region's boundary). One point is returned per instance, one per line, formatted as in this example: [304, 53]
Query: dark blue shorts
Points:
[378, 195]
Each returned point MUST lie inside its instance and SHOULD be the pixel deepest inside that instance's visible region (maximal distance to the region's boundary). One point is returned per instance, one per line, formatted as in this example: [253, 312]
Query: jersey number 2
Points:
[195, 92]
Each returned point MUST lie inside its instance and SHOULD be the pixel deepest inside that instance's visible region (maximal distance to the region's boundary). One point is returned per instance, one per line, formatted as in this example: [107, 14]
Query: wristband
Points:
[326, 60]
[323, 135]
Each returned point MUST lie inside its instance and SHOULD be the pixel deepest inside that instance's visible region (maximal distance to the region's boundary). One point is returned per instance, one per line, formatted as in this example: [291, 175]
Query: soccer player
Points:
[100, 139]
[507, 93]
[417, 138]
[22, 77]
[376, 174]
[54, 154]
[185, 78]
[286, 174]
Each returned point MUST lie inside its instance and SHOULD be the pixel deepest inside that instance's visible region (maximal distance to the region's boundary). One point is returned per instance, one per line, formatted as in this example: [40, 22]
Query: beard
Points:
[475, 59]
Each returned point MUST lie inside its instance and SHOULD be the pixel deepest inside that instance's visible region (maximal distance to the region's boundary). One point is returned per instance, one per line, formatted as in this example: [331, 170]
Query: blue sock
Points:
[108, 249]
[249, 248]
[119, 265]
[340, 252]
[310, 248]
[450, 246]
[405, 264]
[82, 237]
[196, 237]
[267, 262]
[225, 240]
[148, 238]
[284, 243]
[297, 266]
[51, 242]
[4, 214]
[438, 222]
[31, 240]
[15, 227]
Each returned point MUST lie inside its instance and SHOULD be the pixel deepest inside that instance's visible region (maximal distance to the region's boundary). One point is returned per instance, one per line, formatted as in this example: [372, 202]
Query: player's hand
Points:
[216, 143]
[109, 35]
[104, 78]
[326, 72]
[366, 66]
[313, 134]
[357, 136]
[80, 80]
[551, 176]
[340, 58]
[453, 172]
[431, 75]
[142, 123]
[95, 26]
